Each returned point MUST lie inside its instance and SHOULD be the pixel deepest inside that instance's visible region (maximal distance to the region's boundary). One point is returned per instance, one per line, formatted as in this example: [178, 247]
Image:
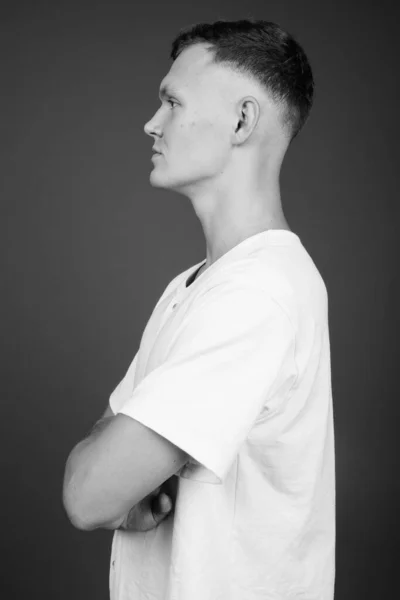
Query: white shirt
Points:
[235, 370]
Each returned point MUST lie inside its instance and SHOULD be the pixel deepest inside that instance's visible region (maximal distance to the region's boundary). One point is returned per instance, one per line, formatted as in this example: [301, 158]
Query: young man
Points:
[229, 395]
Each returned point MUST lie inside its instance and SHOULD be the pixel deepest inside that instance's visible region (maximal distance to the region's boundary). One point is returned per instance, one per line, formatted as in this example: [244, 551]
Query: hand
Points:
[153, 509]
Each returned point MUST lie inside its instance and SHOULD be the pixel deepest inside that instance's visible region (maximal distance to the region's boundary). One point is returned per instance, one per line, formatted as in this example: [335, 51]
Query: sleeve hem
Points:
[183, 441]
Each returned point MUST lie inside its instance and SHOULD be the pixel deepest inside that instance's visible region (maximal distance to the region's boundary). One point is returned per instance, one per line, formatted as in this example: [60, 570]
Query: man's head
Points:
[236, 92]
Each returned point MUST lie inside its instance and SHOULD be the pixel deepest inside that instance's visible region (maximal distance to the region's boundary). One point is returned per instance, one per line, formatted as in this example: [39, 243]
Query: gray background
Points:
[89, 246]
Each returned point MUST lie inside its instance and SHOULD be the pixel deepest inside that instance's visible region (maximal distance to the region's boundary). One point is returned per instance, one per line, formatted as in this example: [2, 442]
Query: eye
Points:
[171, 102]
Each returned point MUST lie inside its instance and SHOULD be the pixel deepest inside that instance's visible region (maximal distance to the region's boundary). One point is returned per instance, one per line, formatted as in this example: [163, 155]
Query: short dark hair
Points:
[267, 53]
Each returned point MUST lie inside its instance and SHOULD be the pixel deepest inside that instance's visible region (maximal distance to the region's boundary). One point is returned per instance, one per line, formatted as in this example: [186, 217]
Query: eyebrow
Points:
[165, 91]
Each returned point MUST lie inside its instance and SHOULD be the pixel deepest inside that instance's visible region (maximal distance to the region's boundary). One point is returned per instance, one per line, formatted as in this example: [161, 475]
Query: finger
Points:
[161, 507]
[147, 514]
[165, 503]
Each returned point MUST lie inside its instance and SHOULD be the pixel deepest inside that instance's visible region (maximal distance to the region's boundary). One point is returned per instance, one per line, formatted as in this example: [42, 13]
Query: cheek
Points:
[205, 138]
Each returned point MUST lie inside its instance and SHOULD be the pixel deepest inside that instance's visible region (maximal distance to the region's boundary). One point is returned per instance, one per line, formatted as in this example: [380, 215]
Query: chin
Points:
[159, 180]
[156, 180]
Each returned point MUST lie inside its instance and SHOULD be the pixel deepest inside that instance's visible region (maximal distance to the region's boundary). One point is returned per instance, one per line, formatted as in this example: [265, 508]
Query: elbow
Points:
[81, 501]
[81, 516]
[76, 516]
[78, 522]
[83, 523]
[72, 502]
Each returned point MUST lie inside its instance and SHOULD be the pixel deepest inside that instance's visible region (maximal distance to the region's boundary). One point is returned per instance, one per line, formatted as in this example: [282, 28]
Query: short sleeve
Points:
[233, 348]
[123, 391]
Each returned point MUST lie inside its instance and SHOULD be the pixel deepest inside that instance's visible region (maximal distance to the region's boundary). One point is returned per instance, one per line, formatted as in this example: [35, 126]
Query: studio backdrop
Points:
[89, 246]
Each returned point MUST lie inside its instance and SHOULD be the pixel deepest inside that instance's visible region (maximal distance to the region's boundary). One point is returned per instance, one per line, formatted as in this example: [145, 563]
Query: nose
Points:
[152, 128]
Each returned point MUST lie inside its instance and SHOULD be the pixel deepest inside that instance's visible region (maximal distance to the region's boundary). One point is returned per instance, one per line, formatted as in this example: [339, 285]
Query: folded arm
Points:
[118, 465]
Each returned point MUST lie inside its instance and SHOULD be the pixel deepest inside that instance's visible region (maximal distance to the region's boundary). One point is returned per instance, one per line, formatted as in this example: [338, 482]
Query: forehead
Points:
[189, 72]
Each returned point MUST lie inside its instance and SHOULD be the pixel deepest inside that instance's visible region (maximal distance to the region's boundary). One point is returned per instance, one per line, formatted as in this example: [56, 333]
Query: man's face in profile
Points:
[192, 126]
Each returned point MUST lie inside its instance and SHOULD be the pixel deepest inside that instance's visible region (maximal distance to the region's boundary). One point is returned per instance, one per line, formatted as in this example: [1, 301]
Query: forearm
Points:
[74, 459]
[77, 469]
[97, 428]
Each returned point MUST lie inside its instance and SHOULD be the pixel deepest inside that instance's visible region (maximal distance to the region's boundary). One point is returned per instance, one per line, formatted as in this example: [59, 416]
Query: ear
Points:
[248, 113]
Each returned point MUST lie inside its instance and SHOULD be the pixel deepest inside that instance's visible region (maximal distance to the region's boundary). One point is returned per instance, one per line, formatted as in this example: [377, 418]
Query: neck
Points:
[228, 221]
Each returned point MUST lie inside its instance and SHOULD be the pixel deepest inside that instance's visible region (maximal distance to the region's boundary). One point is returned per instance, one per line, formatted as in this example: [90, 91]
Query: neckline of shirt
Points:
[273, 237]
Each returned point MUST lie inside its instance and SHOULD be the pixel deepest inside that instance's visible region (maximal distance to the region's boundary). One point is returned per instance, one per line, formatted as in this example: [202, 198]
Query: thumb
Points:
[161, 506]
